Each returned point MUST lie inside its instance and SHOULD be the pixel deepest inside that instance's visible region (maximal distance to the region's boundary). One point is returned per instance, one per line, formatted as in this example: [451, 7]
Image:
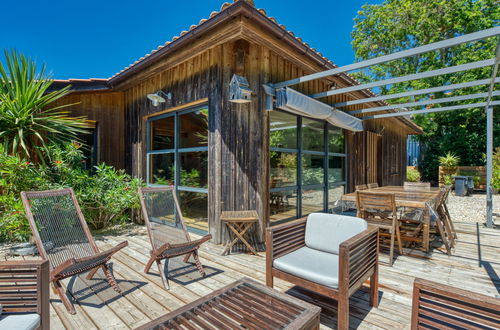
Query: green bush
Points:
[412, 175]
[496, 169]
[105, 196]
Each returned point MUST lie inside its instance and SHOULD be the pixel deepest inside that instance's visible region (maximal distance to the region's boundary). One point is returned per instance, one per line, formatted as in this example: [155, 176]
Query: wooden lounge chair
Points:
[326, 253]
[372, 185]
[438, 306]
[24, 295]
[167, 231]
[379, 209]
[64, 239]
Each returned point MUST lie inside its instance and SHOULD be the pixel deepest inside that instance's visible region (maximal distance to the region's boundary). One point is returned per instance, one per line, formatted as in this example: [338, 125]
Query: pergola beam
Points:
[396, 56]
[415, 76]
[417, 92]
[419, 112]
[427, 102]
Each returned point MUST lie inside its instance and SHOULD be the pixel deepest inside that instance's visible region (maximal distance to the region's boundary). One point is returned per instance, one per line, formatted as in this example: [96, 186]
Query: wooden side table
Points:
[239, 222]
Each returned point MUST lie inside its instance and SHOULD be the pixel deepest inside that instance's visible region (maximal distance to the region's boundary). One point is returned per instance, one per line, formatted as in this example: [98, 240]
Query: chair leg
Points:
[164, 278]
[374, 288]
[391, 248]
[64, 297]
[187, 256]
[269, 279]
[343, 313]
[198, 264]
[398, 236]
[149, 264]
[91, 274]
[111, 279]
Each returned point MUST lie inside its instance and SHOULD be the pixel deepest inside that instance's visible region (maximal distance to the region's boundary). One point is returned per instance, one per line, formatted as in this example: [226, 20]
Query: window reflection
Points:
[193, 172]
[313, 135]
[313, 169]
[283, 130]
[194, 129]
[161, 169]
[283, 169]
[162, 134]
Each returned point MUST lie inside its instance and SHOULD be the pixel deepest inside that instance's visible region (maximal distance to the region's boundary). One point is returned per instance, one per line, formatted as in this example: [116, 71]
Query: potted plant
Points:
[449, 164]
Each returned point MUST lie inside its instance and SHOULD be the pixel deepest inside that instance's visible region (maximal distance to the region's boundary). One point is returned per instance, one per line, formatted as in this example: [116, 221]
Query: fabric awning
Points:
[290, 100]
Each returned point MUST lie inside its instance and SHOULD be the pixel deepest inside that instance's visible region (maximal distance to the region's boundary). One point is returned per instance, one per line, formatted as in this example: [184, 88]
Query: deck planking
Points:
[471, 267]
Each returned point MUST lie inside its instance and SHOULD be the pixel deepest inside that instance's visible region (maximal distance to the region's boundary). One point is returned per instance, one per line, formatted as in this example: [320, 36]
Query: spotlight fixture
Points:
[156, 97]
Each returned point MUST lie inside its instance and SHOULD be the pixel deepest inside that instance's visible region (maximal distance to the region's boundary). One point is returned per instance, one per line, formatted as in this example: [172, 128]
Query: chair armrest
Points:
[358, 259]
[285, 238]
[29, 295]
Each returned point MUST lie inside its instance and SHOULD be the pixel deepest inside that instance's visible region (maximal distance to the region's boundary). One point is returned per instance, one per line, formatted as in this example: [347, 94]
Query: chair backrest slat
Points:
[58, 226]
[163, 216]
[444, 307]
[366, 201]
[361, 187]
[417, 184]
[372, 185]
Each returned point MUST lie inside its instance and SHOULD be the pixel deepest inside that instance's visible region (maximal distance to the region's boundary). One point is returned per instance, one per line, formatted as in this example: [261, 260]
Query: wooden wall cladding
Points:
[107, 110]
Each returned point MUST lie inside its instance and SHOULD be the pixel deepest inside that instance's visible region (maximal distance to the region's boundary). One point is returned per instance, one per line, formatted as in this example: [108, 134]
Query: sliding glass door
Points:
[307, 166]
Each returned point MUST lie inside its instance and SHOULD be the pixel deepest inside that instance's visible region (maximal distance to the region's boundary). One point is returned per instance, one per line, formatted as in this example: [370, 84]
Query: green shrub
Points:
[412, 175]
[496, 170]
[105, 196]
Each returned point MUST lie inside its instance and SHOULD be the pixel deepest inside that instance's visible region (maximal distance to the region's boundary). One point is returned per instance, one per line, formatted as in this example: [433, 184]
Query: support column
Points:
[489, 166]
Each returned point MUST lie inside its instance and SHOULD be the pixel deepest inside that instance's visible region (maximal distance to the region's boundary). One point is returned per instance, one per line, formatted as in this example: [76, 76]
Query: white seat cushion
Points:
[313, 265]
[326, 232]
[20, 322]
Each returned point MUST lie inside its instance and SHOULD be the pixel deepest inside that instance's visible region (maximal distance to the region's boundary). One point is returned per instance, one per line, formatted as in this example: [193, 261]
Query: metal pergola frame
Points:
[399, 110]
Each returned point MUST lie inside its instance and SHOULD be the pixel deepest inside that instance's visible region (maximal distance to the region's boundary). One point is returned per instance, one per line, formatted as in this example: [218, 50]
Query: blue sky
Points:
[95, 39]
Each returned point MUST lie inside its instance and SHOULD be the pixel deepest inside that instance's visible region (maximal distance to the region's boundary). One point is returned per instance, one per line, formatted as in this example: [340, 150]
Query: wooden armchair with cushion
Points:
[326, 253]
[438, 306]
[24, 295]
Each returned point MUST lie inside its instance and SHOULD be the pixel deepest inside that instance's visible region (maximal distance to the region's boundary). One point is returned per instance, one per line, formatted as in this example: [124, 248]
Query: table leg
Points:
[240, 233]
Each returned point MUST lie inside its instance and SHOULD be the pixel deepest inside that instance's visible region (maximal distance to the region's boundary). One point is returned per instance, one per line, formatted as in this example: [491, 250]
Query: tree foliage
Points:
[396, 25]
[27, 116]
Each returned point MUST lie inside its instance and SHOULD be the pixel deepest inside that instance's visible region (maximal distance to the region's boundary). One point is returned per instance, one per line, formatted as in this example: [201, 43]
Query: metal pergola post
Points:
[421, 106]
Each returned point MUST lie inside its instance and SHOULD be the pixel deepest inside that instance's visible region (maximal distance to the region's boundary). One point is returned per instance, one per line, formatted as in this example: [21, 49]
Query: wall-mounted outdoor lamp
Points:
[239, 90]
[156, 97]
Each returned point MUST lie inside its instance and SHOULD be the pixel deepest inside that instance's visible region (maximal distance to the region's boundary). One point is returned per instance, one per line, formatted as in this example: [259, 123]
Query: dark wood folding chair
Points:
[167, 231]
[379, 209]
[63, 238]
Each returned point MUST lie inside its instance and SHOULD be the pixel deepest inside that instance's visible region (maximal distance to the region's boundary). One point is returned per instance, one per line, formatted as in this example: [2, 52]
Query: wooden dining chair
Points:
[361, 187]
[372, 185]
[379, 209]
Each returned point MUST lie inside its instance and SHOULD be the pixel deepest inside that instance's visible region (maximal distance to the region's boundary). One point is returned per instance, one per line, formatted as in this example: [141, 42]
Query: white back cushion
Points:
[325, 231]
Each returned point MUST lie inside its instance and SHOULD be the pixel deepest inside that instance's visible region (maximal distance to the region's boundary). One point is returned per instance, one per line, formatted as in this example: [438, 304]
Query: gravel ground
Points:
[472, 208]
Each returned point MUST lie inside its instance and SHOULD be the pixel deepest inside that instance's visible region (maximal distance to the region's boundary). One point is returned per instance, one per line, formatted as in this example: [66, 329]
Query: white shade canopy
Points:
[290, 100]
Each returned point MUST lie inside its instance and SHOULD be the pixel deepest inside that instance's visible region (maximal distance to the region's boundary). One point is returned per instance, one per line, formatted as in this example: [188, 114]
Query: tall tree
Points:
[396, 25]
[28, 119]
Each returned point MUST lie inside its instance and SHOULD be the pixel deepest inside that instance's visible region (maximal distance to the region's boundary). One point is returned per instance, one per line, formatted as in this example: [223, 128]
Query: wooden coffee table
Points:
[244, 304]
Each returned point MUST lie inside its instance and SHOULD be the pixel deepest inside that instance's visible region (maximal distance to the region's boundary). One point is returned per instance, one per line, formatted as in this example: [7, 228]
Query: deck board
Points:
[145, 298]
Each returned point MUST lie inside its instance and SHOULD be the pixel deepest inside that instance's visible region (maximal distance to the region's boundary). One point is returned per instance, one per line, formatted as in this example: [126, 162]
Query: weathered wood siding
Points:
[107, 109]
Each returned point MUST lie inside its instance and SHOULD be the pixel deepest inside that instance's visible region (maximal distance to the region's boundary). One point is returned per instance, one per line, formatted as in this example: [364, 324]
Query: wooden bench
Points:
[24, 290]
[444, 307]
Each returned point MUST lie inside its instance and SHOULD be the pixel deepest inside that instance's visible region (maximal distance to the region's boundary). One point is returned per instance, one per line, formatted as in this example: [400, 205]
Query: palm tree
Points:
[28, 122]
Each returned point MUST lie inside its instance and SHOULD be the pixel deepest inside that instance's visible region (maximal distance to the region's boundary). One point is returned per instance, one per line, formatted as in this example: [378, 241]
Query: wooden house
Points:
[222, 155]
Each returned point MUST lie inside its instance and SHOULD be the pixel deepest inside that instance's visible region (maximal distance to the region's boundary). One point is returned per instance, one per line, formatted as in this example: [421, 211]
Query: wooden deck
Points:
[145, 298]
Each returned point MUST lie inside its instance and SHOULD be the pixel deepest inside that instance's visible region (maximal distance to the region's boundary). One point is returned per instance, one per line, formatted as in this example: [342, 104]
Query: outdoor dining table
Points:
[410, 197]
